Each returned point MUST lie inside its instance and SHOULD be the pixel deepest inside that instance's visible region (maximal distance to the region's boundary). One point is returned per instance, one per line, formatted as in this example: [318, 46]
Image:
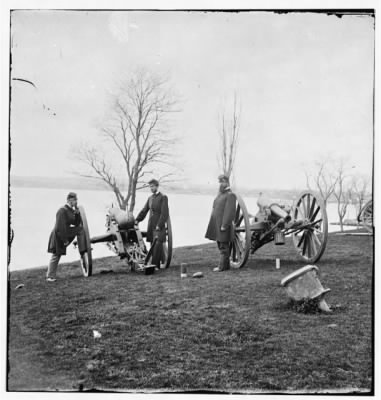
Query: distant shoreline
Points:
[76, 183]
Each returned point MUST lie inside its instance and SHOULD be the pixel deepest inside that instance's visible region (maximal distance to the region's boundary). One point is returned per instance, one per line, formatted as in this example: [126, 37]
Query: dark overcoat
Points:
[67, 224]
[157, 205]
[223, 214]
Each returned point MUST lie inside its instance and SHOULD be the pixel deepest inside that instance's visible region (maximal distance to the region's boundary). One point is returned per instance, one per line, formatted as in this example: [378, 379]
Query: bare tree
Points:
[229, 134]
[342, 193]
[137, 132]
[323, 178]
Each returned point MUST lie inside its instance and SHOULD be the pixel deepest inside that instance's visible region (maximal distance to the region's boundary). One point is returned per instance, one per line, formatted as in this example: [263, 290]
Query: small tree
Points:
[343, 194]
[137, 133]
[323, 178]
[359, 188]
[229, 134]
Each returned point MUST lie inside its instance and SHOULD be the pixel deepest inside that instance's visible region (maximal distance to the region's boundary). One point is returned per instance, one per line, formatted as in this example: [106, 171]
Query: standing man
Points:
[220, 228]
[68, 226]
[157, 205]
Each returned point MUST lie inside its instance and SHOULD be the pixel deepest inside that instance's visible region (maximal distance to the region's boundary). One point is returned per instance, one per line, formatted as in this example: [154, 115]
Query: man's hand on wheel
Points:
[223, 229]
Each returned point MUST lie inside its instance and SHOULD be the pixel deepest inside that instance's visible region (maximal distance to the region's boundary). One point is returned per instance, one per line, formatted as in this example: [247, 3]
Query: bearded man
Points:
[220, 228]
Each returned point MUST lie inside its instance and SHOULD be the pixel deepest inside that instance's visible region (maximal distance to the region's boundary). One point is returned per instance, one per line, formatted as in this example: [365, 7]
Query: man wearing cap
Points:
[220, 228]
[68, 225]
[157, 205]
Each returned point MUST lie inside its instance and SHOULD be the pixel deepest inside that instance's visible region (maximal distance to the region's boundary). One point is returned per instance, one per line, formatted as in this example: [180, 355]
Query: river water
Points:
[33, 215]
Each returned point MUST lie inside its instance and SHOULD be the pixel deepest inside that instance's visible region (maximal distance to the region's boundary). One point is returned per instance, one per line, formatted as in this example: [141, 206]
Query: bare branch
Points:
[137, 130]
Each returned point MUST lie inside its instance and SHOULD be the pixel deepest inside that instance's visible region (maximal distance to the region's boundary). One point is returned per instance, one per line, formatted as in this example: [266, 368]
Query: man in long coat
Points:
[220, 228]
[157, 205]
[68, 226]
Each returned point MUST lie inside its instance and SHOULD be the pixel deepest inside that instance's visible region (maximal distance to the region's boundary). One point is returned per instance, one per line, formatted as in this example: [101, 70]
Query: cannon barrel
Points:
[278, 211]
[107, 237]
[122, 218]
[274, 208]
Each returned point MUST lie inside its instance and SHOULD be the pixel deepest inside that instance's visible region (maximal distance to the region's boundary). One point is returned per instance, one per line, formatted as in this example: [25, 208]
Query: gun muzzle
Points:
[278, 211]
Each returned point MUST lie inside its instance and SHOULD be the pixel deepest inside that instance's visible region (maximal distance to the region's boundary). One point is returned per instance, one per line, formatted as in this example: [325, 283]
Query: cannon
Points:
[126, 240]
[306, 221]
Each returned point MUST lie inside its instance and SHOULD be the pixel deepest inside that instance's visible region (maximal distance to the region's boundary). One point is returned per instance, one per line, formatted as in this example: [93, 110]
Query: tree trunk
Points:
[133, 194]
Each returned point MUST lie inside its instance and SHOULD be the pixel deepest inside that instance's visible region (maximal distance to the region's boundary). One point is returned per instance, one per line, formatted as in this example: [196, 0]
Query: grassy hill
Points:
[234, 331]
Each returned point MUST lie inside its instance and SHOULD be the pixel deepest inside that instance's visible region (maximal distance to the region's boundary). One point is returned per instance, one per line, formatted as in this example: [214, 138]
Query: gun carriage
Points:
[306, 222]
[126, 240]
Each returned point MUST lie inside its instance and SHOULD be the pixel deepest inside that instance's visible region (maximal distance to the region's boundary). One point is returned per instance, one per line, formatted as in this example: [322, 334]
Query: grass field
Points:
[233, 331]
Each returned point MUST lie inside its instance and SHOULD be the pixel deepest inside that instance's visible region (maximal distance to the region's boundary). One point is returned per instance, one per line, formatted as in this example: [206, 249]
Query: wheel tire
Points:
[310, 242]
[86, 266]
[86, 259]
[240, 247]
[168, 247]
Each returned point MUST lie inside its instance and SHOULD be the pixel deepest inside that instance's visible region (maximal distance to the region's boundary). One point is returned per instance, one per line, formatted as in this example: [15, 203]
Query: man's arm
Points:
[164, 213]
[143, 212]
[61, 225]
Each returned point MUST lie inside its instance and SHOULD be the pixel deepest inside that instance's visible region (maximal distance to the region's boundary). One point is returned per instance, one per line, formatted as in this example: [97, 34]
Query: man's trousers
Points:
[224, 248]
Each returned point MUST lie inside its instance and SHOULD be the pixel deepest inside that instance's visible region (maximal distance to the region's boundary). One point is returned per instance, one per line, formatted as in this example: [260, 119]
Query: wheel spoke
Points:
[308, 241]
[304, 208]
[240, 220]
[237, 213]
[233, 252]
[308, 205]
[302, 237]
[239, 246]
[315, 236]
[312, 208]
[165, 254]
[312, 242]
[312, 219]
[304, 243]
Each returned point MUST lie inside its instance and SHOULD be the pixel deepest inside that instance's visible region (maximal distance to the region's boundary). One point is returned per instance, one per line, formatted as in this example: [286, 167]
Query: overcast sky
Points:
[305, 83]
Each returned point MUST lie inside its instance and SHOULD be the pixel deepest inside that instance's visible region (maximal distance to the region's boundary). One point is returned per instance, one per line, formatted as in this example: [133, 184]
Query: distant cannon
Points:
[365, 217]
[125, 239]
[306, 221]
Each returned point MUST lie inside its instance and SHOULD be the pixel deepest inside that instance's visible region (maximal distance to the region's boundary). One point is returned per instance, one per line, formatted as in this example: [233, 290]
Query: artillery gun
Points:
[306, 222]
[126, 240]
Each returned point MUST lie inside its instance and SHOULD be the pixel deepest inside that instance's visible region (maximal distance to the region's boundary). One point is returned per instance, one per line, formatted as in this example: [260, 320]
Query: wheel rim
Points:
[85, 264]
[310, 242]
[167, 247]
[86, 257]
[240, 247]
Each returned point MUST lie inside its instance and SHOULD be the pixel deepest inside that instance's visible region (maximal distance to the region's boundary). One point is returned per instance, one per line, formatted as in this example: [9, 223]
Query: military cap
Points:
[72, 195]
[223, 177]
[154, 182]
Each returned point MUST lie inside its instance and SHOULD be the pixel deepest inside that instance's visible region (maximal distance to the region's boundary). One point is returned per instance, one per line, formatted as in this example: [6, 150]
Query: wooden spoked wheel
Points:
[366, 216]
[86, 257]
[167, 247]
[310, 241]
[240, 247]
